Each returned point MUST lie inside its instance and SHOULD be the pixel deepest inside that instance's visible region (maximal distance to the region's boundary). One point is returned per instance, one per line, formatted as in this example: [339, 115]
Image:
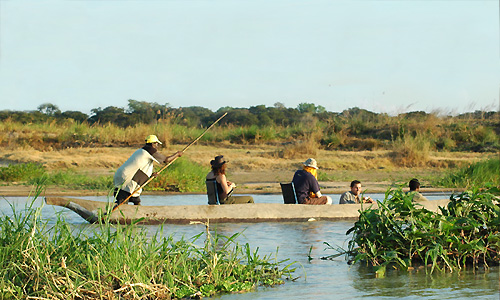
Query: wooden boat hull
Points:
[234, 213]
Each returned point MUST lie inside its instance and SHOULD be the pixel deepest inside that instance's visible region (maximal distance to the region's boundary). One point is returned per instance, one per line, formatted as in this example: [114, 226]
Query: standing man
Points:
[138, 169]
[415, 191]
[354, 195]
[307, 186]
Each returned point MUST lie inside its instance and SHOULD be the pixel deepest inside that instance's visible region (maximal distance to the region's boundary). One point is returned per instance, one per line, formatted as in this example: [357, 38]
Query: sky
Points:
[384, 56]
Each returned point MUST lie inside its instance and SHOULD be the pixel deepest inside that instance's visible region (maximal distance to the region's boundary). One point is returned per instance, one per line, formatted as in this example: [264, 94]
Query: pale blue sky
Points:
[384, 56]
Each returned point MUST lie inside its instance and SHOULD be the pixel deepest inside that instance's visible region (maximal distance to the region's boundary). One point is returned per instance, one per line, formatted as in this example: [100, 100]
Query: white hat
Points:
[152, 139]
[311, 162]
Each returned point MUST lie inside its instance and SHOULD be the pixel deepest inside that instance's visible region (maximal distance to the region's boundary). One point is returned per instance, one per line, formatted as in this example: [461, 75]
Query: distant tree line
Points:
[141, 112]
[353, 128]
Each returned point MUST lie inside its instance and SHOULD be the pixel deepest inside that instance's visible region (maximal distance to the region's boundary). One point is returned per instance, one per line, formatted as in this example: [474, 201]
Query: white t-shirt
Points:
[128, 176]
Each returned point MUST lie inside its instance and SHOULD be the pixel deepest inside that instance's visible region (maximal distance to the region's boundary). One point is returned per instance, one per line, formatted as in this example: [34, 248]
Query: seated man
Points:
[414, 190]
[307, 186]
[354, 195]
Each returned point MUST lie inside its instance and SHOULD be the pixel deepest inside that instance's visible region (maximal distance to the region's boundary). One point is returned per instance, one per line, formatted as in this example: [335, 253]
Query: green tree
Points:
[110, 114]
[75, 115]
[49, 109]
[310, 108]
[196, 116]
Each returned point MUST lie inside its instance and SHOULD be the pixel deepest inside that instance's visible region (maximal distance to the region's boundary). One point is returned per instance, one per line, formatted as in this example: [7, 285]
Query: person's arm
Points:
[166, 159]
[173, 156]
[314, 191]
[227, 186]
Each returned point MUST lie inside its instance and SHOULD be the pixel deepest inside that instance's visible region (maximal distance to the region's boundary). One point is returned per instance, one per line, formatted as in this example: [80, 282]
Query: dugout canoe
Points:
[234, 213]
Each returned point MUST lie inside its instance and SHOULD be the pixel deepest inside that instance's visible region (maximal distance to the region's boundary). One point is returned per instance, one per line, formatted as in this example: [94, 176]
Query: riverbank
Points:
[256, 169]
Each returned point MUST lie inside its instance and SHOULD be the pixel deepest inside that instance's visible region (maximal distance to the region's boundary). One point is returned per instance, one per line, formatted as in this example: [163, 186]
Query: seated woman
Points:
[224, 187]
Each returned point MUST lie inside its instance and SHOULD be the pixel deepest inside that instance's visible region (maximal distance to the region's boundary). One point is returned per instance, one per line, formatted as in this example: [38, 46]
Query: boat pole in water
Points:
[166, 166]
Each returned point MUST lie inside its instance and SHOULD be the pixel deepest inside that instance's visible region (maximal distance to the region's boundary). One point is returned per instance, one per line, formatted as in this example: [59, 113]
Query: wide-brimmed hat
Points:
[311, 162]
[152, 139]
[218, 161]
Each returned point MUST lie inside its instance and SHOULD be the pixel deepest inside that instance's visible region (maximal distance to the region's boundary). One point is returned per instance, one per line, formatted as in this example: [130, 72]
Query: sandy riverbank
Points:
[254, 168]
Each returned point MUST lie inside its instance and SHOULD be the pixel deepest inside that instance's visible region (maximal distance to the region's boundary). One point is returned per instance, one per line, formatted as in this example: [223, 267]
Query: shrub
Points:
[477, 174]
[403, 234]
[21, 172]
[411, 151]
[182, 175]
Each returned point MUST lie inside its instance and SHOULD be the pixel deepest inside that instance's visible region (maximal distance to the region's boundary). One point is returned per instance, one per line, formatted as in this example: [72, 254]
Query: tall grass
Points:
[56, 261]
[408, 133]
[410, 151]
[481, 173]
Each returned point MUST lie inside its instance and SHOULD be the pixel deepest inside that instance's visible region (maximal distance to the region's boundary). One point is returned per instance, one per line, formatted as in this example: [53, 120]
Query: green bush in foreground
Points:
[403, 234]
[56, 261]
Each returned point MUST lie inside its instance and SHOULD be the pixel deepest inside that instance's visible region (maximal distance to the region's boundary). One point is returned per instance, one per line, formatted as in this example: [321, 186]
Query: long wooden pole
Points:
[166, 166]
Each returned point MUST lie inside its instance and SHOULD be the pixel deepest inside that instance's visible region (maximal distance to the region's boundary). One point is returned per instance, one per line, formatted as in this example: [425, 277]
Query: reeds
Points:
[42, 260]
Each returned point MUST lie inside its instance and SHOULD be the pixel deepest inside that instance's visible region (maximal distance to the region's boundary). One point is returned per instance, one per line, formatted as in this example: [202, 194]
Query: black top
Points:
[304, 183]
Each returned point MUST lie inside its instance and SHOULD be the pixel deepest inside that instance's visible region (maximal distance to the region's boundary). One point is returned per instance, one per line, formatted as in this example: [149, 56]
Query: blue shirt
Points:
[304, 183]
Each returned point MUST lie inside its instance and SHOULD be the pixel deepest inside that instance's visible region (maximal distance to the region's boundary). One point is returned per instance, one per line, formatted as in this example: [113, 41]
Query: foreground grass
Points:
[402, 234]
[42, 261]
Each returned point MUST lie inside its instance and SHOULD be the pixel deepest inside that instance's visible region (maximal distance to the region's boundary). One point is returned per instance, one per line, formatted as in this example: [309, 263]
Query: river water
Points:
[319, 279]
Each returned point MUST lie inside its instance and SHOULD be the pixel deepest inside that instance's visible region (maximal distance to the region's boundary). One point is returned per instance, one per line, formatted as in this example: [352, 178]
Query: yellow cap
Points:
[152, 139]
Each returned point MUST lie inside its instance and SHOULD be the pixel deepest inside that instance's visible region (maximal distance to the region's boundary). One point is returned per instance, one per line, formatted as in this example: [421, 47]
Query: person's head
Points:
[414, 184]
[219, 165]
[356, 187]
[311, 166]
[153, 140]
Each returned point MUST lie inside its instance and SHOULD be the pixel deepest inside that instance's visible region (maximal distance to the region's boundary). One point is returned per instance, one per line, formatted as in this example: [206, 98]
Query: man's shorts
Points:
[121, 195]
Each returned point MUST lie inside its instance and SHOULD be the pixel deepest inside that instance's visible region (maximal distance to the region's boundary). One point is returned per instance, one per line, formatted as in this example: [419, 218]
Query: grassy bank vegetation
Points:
[185, 175]
[182, 176]
[411, 136]
[416, 140]
[403, 235]
[480, 174]
[42, 260]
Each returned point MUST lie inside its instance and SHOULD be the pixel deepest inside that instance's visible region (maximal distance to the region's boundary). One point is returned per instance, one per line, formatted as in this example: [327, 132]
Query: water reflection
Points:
[481, 284]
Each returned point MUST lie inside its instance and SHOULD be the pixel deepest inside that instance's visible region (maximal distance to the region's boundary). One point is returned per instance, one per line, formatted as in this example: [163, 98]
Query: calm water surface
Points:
[319, 279]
